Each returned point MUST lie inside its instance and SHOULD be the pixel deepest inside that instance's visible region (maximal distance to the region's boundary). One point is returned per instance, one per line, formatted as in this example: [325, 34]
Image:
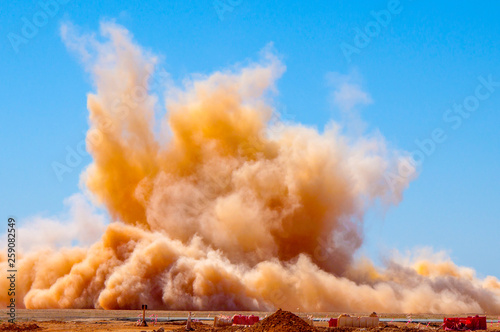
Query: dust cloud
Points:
[217, 204]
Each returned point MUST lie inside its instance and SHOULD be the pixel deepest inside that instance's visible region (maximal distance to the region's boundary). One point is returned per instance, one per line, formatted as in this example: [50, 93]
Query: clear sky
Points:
[408, 63]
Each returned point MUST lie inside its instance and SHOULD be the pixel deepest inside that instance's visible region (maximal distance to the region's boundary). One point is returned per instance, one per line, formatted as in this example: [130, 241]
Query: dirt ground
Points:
[125, 321]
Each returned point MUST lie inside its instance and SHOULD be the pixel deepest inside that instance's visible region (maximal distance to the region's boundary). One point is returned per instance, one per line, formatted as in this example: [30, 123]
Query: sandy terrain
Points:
[125, 320]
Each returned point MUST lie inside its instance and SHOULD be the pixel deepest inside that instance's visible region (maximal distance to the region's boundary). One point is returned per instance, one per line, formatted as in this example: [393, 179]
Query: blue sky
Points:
[424, 58]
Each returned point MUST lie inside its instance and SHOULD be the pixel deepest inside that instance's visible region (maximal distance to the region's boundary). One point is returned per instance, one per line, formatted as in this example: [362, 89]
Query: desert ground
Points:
[126, 320]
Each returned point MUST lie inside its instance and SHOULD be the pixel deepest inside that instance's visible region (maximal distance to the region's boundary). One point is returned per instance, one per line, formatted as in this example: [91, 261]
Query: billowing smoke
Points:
[220, 205]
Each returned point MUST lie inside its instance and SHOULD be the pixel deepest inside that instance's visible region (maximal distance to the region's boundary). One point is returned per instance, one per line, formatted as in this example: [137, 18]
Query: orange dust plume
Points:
[217, 204]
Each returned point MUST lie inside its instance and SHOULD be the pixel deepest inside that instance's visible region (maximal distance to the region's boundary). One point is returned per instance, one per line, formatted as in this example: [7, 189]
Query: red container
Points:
[478, 323]
[468, 323]
[332, 322]
[245, 320]
[237, 320]
[253, 319]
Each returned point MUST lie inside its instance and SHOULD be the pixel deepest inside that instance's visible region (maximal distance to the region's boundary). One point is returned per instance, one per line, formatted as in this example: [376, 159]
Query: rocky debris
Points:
[197, 326]
[18, 327]
[283, 321]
